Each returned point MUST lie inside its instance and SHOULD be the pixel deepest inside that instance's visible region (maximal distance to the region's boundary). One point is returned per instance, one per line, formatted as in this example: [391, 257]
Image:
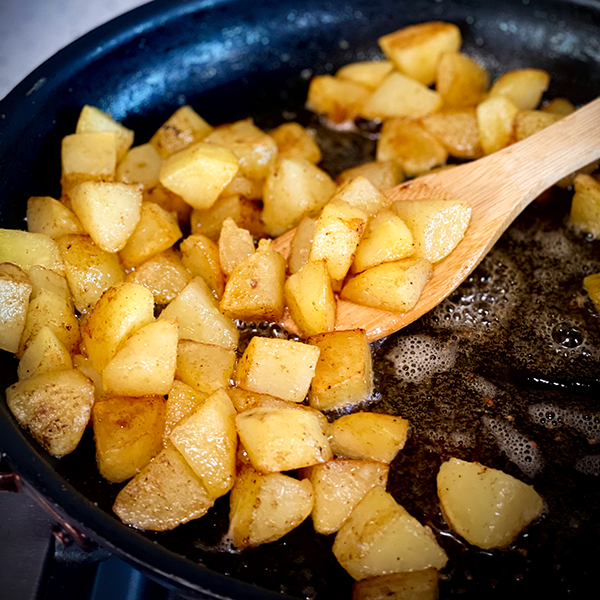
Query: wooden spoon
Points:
[498, 187]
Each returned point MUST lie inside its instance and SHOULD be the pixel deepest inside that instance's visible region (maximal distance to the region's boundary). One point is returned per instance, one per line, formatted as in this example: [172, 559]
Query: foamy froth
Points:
[417, 357]
[589, 465]
[584, 422]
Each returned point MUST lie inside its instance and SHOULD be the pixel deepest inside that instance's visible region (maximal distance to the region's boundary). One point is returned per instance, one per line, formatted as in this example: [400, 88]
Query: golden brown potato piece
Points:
[361, 193]
[140, 165]
[301, 243]
[495, 120]
[26, 249]
[457, 130]
[524, 87]
[55, 407]
[166, 493]
[460, 80]
[170, 202]
[182, 401]
[337, 99]
[235, 245]
[51, 217]
[369, 73]
[92, 120]
[585, 207]
[45, 353]
[528, 122]
[293, 141]
[413, 585]
[487, 507]
[128, 433]
[382, 174]
[559, 106]
[200, 256]
[243, 399]
[15, 289]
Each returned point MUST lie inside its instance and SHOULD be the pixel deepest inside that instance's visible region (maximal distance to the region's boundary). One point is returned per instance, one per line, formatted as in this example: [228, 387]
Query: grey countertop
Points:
[31, 31]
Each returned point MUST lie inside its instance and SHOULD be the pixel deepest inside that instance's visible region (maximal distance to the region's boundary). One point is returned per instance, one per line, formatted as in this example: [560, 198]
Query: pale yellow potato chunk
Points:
[485, 506]
[207, 439]
[293, 141]
[26, 249]
[344, 373]
[301, 243]
[282, 439]
[393, 286]
[199, 317]
[495, 120]
[369, 73]
[170, 202]
[165, 493]
[457, 130]
[182, 401]
[281, 368]
[254, 290]
[585, 207]
[524, 87]
[460, 80]
[84, 364]
[45, 353]
[380, 537]
[15, 290]
[182, 129]
[140, 165]
[401, 96]
[243, 399]
[235, 245]
[199, 173]
[92, 119]
[411, 145]
[437, 225]
[413, 585]
[204, 367]
[529, 122]
[368, 436]
[382, 174]
[559, 106]
[254, 149]
[128, 434]
[310, 300]
[249, 189]
[264, 507]
[386, 239]
[415, 50]
[339, 100]
[337, 234]
[121, 310]
[295, 188]
[55, 407]
[361, 193]
[339, 485]
[200, 256]
[51, 217]
[145, 363]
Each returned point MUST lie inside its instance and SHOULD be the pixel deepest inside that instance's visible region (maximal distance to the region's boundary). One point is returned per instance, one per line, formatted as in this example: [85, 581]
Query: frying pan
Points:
[505, 371]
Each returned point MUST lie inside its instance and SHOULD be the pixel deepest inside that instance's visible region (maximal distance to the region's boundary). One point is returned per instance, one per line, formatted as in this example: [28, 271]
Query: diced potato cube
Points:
[382, 174]
[401, 96]
[199, 317]
[386, 239]
[199, 173]
[457, 130]
[92, 119]
[393, 286]
[361, 193]
[128, 434]
[495, 119]
[264, 507]
[156, 231]
[460, 80]
[559, 106]
[282, 439]
[295, 188]
[46, 279]
[145, 362]
[437, 225]
[485, 506]
[310, 300]
[280, 368]
[528, 122]
[254, 149]
[336, 98]
[412, 585]
[108, 211]
[293, 141]
[368, 436]
[380, 537]
[182, 129]
[235, 245]
[204, 367]
[121, 310]
[51, 217]
[243, 399]
[26, 249]
[163, 274]
[301, 243]
[369, 73]
[585, 208]
[55, 407]
[182, 401]
[591, 284]
[249, 189]
[207, 439]
[166, 493]
[344, 373]
[524, 87]
[15, 289]
[416, 49]
[45, 353]
[170, 202]
[254, 291]
[411, 145]
[83, 364]
[141, 165]
[339, 485]
[200, 255]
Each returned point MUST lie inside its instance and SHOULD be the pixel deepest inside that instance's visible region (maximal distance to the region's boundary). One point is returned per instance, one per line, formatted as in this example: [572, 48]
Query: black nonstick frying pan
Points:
[505, 371]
